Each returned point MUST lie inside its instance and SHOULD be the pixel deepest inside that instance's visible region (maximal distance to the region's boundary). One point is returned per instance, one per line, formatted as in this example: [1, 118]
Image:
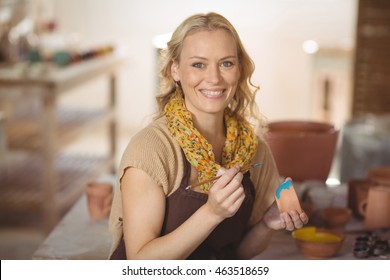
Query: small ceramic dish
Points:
[334, 217]
[318, 243]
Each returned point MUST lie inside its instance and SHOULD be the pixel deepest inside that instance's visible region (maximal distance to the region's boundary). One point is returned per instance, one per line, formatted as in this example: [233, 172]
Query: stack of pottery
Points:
[303, 150]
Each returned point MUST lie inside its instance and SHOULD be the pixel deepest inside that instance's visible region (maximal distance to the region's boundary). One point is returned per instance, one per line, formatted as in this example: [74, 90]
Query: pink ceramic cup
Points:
[99, 199]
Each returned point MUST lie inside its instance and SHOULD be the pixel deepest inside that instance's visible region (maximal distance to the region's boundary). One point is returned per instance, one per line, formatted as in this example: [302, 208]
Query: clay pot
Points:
[336, 217]
[99, 199]
[358, 192]
[380, 175]
[376, 208]
[303, 150]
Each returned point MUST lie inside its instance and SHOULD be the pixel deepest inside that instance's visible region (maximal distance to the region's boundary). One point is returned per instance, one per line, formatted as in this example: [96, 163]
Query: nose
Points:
[213, 74]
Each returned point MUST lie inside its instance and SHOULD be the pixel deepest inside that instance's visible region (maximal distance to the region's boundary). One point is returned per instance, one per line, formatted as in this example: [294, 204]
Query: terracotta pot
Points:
[358, 192]
[303, 150]
[99, 199]
[380, 175]
[336, 217]
[376, 208]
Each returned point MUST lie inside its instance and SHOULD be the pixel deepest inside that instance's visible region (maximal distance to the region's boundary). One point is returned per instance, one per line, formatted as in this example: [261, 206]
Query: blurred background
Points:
[274, 33]
[64, 63]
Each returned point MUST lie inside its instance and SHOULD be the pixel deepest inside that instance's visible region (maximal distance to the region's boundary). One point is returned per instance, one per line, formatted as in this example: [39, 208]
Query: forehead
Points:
[206, 43]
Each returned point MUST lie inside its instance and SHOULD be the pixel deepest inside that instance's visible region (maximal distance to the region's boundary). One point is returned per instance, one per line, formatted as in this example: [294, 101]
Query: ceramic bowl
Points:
[334, 217]
[317, 243]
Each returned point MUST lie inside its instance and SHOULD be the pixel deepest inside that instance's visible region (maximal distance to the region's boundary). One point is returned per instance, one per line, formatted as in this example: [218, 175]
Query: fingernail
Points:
[221, 171]
[293, 213]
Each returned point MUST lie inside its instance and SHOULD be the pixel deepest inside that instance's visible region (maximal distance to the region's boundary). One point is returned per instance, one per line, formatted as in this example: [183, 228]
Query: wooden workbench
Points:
[77, 237]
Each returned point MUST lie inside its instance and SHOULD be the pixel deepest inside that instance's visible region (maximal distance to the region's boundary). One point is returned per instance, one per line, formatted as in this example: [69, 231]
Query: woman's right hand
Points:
[227, 193]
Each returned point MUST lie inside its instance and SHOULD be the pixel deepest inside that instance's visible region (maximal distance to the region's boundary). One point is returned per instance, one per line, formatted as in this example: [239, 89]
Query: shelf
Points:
[21, 183]
[42, 179]
[24, 132]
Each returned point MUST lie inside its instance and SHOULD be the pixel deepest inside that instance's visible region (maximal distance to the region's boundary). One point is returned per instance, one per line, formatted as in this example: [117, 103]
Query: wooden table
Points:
[77, 237]
[283, 247]
[46, 85]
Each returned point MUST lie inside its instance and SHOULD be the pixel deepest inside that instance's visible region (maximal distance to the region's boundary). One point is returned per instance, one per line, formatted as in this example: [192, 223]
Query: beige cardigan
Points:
[154, 151]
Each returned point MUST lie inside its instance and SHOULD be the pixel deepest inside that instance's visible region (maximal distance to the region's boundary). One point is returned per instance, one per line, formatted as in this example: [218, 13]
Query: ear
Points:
[175, 70]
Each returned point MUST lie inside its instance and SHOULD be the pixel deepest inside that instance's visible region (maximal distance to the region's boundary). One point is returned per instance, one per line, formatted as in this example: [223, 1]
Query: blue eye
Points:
[198, 65]
[227, 64]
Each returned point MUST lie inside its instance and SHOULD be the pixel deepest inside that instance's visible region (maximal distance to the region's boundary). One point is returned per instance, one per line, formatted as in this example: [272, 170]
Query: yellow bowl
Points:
[317, 243]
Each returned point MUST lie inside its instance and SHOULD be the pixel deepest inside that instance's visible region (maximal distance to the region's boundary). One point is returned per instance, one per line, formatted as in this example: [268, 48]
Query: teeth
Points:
[212, 92]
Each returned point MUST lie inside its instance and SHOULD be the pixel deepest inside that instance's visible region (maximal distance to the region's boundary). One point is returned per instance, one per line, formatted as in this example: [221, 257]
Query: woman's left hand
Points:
[289, 221]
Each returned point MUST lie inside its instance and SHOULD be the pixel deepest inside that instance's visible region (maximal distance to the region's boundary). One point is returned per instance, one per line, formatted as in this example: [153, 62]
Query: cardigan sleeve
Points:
[266, 179]
[154, 151]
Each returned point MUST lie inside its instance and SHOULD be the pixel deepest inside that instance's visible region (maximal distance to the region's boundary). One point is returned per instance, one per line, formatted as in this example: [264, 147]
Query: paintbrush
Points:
[217, 177]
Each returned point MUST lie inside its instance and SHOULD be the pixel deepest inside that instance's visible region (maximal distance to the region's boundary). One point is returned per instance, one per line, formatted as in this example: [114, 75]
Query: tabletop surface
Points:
[77, 236]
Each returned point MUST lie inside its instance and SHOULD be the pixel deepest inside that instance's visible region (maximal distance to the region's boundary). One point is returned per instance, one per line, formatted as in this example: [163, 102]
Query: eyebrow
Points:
[204, 58]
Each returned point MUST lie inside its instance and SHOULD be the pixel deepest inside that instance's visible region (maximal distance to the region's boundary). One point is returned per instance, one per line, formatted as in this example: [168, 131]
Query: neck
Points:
[211, 126]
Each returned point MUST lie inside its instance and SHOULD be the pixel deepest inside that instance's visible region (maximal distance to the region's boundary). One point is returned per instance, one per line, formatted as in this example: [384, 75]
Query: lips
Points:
[212, 93]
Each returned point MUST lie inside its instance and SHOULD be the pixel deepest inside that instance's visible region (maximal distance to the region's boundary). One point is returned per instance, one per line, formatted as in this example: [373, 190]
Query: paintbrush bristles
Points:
[217, 177]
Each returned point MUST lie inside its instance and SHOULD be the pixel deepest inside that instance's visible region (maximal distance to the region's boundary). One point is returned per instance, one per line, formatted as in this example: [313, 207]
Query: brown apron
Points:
[223, 241]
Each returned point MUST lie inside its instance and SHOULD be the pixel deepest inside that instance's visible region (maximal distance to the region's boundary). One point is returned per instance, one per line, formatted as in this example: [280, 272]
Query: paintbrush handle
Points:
[217, 177]
[203, 182]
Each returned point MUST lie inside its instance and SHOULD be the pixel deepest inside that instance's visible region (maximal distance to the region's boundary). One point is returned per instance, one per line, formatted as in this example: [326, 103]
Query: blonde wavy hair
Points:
[243, 105]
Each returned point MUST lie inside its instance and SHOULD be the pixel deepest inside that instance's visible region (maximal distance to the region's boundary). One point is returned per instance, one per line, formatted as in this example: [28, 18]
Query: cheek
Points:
[232, 77]
[190, 78]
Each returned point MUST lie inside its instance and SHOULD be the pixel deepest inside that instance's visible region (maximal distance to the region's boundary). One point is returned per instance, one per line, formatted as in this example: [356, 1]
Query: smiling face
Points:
[208, 71]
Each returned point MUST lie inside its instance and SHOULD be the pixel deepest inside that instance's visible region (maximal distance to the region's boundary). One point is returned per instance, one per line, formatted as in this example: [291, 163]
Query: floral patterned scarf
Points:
[239, 149]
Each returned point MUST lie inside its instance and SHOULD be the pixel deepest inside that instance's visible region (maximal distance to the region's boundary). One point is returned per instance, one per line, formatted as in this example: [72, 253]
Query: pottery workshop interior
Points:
[79, 78]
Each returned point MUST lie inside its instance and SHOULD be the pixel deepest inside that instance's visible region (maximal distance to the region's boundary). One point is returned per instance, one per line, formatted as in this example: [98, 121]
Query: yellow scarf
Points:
[239, 149]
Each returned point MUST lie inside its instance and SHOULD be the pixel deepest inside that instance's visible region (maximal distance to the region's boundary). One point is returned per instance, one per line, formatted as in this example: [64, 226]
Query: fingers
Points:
[227, 177]
[227, 194]
[304, 218]
[221, 171]
[293, 220]
[229, 186]
[235, 198]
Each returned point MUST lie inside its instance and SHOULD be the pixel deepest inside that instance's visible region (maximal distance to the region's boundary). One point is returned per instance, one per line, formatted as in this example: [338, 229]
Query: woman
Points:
[201, 131]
